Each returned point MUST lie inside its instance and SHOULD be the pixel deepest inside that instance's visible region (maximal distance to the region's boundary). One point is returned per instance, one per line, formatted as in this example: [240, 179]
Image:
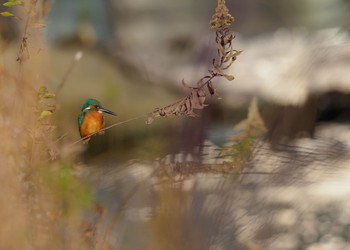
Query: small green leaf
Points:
[49, 95]
[44, 114]
[42, 90]
[44, 93]
[12, 3]
[6, 14]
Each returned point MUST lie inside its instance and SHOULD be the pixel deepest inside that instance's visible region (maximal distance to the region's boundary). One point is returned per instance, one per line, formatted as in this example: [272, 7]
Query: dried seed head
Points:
[222, 17]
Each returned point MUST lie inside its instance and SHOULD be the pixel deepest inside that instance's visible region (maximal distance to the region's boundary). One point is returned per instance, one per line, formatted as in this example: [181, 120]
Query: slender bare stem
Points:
[69, 70]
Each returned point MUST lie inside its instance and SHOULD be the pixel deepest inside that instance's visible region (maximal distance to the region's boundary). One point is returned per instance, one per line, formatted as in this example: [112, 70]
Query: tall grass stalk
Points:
[41, 201]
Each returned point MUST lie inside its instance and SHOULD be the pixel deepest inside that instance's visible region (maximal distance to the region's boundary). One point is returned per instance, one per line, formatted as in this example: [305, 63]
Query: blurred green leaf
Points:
[44, 93]
[71, 190]
[49, 95]
[42, 90]
[12, 3]
[44, 114]
[6, 14]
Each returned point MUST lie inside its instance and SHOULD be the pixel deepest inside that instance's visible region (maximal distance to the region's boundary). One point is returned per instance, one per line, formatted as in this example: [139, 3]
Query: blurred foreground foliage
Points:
[42, 199]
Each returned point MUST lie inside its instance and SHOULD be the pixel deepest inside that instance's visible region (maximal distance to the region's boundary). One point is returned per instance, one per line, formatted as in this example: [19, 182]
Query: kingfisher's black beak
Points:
[106, 111]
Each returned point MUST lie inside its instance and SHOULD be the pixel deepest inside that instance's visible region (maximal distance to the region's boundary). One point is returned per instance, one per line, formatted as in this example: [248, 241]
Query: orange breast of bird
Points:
[93, 122]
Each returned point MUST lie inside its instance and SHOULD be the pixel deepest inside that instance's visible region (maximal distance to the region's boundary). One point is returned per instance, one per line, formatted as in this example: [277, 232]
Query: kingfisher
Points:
[91, 120]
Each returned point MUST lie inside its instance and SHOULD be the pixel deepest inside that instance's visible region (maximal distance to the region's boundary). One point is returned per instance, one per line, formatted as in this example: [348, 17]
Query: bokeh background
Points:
[288, 192]
[133, 64]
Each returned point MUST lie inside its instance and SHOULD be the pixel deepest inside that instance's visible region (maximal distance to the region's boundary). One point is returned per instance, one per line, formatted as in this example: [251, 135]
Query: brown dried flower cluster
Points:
[221, 22]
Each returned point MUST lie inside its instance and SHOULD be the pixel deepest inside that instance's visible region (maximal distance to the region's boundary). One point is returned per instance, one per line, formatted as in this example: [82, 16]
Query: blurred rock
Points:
[88, 22]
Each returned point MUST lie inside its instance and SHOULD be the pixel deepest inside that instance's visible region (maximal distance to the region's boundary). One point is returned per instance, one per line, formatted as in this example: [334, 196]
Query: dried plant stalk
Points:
[226, 55]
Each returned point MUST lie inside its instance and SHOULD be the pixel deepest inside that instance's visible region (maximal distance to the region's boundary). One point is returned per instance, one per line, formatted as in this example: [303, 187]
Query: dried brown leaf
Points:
[197, 99]
[220, 48]
[228, 65]
[229, 77]
[185, 85]
[150, 119]
[211, 88]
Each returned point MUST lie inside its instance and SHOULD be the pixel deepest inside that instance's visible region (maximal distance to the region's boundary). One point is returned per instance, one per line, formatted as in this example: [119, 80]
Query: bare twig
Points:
[71, 66]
